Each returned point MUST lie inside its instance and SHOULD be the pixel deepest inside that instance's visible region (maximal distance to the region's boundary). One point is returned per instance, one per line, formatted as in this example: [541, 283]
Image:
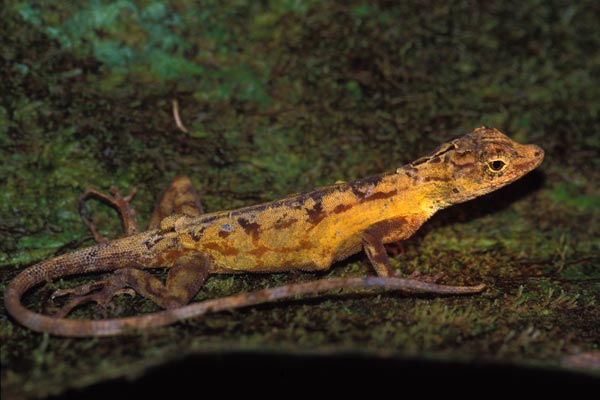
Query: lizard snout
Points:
[537, 153]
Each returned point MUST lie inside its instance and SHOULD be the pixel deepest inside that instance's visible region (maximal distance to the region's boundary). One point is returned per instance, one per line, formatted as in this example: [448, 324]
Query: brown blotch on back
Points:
[258, 251]
[223, 248]
[436, 178]
[169, 257]
[283, 223]
[359, 193]
[381, 195]
[340, 208]
[316, 214]
[361, 187]
[304, 244]
[251, 228]
[224, 234]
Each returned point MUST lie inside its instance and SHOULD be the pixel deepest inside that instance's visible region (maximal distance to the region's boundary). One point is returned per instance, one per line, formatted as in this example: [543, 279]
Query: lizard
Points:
[306, 231]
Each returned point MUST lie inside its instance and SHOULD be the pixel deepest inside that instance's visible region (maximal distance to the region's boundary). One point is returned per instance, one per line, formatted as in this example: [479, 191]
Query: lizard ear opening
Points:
[496, 165]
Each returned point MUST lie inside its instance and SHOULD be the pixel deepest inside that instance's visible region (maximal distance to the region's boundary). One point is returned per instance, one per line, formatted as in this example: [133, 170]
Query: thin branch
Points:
[177, 118]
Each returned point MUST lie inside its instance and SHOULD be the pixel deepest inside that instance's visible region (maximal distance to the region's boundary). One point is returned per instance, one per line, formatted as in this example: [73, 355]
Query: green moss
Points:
[569, 194]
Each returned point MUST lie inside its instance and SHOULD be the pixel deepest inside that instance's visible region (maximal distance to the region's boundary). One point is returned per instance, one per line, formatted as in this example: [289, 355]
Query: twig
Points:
[176, 116]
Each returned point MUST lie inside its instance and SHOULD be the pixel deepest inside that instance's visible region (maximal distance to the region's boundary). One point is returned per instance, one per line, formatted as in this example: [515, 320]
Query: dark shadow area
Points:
[491, 203]
[264, 374]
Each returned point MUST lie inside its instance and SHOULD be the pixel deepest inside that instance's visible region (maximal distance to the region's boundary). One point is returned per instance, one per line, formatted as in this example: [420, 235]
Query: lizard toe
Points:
[100, 292]
[80, 290]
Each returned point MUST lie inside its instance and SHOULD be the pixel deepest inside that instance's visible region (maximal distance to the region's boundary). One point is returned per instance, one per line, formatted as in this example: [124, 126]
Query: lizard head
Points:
[478, 163]
[485, 160]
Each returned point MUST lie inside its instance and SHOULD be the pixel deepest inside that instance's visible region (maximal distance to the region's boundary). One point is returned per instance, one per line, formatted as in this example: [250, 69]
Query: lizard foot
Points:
[120, 203]
[101, 292]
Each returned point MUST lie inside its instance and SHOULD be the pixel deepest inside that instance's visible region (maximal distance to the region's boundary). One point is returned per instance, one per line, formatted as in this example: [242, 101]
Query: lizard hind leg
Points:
[184, 280]
[180, 197]
[120, 203]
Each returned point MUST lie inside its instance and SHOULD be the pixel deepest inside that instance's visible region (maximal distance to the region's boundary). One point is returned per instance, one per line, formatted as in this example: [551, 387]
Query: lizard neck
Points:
[425, 186]
[407, 192]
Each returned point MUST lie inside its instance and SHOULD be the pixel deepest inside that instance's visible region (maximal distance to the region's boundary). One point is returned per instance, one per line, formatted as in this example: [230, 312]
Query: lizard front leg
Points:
[387, 231]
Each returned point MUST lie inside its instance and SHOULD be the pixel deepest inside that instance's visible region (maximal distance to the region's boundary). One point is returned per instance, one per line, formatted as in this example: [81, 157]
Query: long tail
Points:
[70, 265]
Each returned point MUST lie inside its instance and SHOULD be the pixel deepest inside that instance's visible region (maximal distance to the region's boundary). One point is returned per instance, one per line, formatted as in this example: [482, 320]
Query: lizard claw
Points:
[100, 292]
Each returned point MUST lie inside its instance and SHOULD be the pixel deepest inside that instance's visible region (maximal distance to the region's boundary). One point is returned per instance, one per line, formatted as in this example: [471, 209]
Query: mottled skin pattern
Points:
[307, 231]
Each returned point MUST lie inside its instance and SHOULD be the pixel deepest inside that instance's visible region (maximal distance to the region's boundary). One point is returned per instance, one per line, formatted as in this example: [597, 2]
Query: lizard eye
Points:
[496, 165]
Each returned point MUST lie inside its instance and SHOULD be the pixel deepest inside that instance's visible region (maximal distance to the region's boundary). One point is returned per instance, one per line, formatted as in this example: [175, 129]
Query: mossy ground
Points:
[284, 96]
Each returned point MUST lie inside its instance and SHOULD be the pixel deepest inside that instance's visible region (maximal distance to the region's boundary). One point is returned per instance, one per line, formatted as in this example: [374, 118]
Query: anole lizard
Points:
[306, 231]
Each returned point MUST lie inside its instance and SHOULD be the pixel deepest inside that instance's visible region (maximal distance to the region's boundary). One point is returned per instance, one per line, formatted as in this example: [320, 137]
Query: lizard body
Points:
[307, 231]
